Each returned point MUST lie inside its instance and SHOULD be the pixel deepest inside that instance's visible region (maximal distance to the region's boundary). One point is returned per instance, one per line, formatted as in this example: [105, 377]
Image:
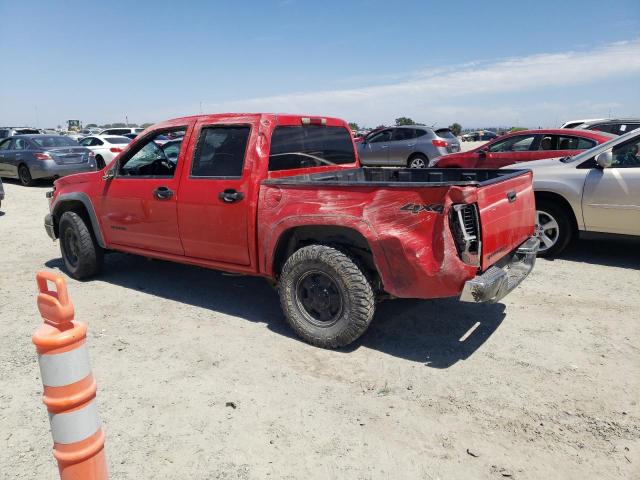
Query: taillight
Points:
[464, 222]
[439, 143]
[42, 156]
[115, 150]
[313, 121]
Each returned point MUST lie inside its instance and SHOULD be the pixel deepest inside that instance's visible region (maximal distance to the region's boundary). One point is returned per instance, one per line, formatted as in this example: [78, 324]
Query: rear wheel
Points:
[326, 298]
[418, 161]
[81, 254]
[553, 228]
[24, 175]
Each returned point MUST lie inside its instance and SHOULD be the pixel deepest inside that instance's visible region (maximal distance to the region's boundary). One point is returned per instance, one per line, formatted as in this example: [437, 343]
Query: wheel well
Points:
[75, 206]
[417, 154]
[559, 201]
[344, 239]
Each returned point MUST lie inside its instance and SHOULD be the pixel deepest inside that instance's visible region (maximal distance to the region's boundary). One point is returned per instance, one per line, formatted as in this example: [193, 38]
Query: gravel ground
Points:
[199, 376]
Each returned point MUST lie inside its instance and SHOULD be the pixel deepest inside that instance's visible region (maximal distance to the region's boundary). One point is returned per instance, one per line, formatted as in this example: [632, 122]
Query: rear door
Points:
[216, 192]
[375, 150]
[139, 205]
[611, 196]
[4, 157]
[507, 216]
[402, 144]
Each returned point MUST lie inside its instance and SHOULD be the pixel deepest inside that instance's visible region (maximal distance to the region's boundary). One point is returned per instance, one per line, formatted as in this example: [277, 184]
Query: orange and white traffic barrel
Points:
[69, 386]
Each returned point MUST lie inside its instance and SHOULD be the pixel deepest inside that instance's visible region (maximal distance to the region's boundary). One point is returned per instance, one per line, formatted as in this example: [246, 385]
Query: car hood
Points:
[76, 178]
[539, 164]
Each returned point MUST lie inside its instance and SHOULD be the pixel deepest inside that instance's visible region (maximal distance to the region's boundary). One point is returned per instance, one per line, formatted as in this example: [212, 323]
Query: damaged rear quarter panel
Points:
[412, 249]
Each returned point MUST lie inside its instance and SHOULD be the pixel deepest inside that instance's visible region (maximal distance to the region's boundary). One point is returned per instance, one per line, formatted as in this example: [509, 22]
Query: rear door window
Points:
[310, 146]
[403, 134]
[220, 151]
[603, 127]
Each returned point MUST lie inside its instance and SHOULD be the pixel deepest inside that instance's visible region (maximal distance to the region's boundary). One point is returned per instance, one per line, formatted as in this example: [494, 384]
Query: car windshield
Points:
[54, 141]
[118, 140]
[587, 154]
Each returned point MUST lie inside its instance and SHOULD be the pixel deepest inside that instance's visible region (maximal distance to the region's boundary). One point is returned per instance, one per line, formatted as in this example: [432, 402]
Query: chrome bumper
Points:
[497, 282]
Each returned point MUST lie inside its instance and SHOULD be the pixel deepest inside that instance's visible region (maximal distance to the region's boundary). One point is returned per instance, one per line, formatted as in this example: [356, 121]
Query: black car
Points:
[617, 126]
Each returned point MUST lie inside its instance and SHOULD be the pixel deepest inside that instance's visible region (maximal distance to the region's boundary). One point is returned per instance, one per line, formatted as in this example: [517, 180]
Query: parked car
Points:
[407, 146]
[11, 131]
[29, 157]
[282, 197]
[576, 123]
[1, 192]
[610, 125]
[525, 146]
[593, 192]
[105, 147]
[480, 136]
[121, 130]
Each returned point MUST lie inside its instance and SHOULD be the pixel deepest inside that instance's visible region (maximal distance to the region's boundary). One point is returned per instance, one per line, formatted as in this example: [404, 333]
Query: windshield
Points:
[587, 154]
[310, 146]
[57, 141]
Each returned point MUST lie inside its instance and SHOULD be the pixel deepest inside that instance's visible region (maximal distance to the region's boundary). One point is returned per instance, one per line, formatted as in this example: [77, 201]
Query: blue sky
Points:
[478, 63]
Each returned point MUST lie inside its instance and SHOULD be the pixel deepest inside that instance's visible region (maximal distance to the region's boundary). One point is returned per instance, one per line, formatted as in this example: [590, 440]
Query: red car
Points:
[283, 197]
[525, 146]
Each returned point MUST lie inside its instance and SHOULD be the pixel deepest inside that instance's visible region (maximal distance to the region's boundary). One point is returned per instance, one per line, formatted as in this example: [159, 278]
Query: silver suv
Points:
[410, 146]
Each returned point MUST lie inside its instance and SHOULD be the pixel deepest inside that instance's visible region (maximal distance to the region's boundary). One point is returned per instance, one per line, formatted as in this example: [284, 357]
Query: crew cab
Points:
[284, 197]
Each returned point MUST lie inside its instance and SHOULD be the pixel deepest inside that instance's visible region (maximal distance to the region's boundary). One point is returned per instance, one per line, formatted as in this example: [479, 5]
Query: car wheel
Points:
[24, 175]
[553, 229]
[418, 161]
[100, 163]
[82, 255]
[325, 297]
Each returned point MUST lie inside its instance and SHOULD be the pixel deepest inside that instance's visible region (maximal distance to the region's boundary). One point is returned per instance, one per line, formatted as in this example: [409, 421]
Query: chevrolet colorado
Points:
[284, 197]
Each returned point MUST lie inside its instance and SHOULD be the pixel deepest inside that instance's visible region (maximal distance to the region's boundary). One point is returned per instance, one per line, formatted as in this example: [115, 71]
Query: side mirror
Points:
[109, 174]
[482, 153]
[604, 159]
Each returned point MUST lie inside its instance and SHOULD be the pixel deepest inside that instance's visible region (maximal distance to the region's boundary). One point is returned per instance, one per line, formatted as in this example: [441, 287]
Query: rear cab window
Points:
[307, 146]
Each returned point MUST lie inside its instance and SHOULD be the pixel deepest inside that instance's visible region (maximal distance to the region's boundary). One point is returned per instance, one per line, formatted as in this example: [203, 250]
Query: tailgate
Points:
[507, 216]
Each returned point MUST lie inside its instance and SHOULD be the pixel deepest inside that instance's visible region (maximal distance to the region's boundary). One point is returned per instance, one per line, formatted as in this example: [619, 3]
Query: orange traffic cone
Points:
[69, 386]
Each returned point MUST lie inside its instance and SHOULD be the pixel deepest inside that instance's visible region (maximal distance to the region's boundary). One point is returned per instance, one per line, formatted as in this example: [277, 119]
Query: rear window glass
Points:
[118, 140]
[52, 142]
[445, 133]
[220, 151]
[310, 146]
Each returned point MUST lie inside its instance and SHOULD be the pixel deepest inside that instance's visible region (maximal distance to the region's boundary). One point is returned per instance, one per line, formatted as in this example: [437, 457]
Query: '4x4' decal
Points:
[417, 208]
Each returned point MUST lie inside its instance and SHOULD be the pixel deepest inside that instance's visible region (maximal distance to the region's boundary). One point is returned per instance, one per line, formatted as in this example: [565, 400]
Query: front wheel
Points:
[325, 297]
[553, 229]
[81, 254]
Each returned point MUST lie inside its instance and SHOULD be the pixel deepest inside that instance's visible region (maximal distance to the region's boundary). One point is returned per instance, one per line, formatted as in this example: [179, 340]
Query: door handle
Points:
[163, 193]
[230, 195]
[384, 146]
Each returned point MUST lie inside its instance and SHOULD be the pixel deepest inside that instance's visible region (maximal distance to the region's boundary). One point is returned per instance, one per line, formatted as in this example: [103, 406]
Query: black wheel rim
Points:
[71, 246]
[319, 298]
[24, 175]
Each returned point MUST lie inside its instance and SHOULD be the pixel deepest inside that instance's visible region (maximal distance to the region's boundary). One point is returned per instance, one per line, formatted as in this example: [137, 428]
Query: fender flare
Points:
[86, 202]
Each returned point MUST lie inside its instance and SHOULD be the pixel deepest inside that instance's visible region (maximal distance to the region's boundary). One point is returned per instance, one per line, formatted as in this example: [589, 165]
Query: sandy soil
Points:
[546, 386]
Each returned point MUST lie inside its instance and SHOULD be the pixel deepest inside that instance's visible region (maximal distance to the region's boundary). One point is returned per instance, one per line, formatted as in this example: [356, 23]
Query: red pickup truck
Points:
[283, 196]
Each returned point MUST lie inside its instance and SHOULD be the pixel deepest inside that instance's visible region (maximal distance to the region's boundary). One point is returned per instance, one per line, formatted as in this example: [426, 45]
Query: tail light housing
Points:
[115, 150]
[42, 156]
[464, 222]
[439, 143]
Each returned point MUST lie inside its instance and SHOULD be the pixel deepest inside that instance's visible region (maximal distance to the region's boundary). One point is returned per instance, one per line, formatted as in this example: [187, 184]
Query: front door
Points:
[511, 150]
[139, 205]
[611, 198]
[4, 157]
[375, 150]
[403, 142]
[216, 193]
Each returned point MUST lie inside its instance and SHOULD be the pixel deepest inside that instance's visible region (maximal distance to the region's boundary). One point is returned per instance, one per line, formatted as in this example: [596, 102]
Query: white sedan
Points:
[106, 147]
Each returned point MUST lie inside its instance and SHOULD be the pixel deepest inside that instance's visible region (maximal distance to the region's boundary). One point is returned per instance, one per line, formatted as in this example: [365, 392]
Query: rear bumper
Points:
[498, 281]
[49, 168]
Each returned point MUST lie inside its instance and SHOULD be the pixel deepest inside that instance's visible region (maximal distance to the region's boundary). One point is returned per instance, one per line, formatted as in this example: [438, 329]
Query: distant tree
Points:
[404, 121]
[455, 128]
[145, 125]
[380, 126]
[517, 129]
[117, 124]
[354, 126]
[91, 125]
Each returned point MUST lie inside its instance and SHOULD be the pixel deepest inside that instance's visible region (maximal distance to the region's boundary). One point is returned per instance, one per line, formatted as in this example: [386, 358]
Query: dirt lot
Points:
[546, 386]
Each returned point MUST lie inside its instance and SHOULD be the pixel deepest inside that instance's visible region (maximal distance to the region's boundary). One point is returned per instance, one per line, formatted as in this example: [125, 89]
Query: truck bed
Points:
[401, 177]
